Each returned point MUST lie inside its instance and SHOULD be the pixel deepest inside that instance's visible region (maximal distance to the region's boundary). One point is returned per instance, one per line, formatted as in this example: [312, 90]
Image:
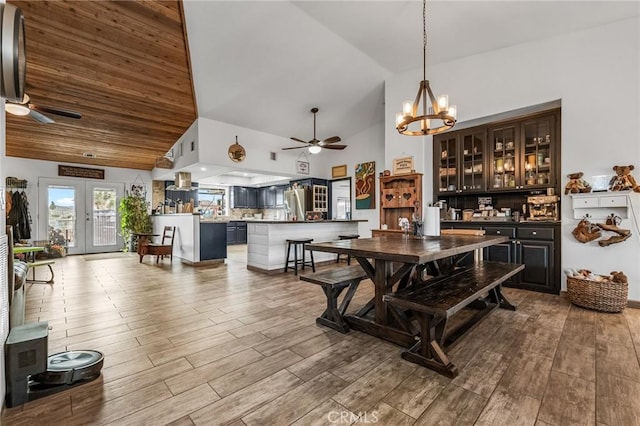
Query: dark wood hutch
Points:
[506, 160]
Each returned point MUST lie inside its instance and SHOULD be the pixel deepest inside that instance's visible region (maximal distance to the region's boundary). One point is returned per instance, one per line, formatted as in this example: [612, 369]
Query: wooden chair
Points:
[165, 248]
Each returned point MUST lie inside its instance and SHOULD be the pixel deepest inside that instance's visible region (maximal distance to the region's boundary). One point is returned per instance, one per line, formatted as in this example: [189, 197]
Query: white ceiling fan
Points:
[36, 112]
[315, 145]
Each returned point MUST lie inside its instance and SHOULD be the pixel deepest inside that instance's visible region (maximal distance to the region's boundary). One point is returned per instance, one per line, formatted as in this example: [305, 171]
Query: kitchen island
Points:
[267, 246]
[196, 241]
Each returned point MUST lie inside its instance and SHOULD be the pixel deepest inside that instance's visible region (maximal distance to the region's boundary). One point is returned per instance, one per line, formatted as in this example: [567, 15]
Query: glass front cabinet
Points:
[460, 161]
[523, 154]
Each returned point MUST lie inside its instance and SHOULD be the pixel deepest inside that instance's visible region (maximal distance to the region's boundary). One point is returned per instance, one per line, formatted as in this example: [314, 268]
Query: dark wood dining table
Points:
[393, 260]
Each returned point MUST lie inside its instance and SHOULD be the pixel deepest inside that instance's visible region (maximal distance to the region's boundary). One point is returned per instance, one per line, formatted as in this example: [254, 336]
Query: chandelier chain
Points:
[424, 39]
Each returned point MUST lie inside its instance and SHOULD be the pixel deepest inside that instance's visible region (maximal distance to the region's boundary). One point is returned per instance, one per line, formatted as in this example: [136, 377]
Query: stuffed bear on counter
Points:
[576, 184]
[623, 180]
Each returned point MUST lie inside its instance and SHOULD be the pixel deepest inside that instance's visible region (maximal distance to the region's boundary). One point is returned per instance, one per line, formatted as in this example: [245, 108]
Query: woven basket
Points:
[603, 296]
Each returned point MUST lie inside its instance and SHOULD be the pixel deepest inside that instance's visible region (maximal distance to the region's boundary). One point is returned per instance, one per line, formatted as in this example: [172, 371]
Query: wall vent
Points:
[273, 156]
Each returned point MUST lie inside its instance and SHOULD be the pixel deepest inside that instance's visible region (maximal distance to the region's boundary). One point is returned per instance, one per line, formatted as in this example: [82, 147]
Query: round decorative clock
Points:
[237, 152]
[14, 66]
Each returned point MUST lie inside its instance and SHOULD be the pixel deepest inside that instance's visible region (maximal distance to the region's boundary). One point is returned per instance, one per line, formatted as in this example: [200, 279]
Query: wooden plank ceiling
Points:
[124, 65]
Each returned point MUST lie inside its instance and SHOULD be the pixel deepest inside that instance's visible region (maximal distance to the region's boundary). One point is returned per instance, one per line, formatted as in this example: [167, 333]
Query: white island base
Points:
[267, 241]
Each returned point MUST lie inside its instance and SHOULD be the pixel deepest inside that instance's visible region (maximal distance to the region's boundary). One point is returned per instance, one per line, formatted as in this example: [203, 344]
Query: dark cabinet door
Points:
[239, 197]
[280, 195]
[262, 198]
[241, 233]
[231, 233]
[270, 197]
[252, 198]
[538, 258]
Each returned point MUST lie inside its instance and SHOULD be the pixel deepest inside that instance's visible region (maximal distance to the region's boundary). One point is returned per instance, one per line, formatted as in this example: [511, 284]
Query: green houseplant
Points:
[134, 218]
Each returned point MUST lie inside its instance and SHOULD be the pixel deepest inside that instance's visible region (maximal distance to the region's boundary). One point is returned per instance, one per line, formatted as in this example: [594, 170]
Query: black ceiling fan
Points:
[326, 143]
[36, 112]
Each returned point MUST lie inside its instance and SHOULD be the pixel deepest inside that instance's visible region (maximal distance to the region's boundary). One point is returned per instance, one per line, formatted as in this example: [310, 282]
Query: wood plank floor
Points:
[222, 345]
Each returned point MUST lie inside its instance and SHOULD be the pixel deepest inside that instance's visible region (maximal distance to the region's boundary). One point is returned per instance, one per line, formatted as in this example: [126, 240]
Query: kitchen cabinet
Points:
[236, 232]
[244, 197]
[537, 246]
[400, 196]
[270, 197]
[519, 154]
[309, 182]
[280, 195]
[524, 154]
[213, 243]
[320, 198]
[534, 246]
[459, 161]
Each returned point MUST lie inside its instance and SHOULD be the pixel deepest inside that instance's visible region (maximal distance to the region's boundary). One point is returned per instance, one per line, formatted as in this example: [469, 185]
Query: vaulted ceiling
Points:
[123, 65]
[128, 68]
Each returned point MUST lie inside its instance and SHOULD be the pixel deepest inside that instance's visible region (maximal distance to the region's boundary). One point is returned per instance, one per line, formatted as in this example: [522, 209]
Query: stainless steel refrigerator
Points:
[298, 203]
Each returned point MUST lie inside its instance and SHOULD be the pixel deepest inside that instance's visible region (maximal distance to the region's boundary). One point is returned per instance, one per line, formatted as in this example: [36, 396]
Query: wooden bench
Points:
[434, 303]
[333, 282]
[38, 263]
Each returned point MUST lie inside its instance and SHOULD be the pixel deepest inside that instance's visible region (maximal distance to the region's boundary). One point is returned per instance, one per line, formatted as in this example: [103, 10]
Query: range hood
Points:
[182, 182]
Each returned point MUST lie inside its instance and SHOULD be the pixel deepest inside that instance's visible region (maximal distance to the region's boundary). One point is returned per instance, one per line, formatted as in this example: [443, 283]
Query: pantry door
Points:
[81, 214]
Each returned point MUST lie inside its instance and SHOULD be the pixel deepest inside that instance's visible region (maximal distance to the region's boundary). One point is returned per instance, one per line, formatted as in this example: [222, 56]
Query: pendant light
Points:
[437, 117]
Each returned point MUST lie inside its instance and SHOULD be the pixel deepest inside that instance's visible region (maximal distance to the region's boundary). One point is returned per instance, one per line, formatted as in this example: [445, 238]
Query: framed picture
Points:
[366, 185]
[338, 171]
[302, 167]
[402, 165]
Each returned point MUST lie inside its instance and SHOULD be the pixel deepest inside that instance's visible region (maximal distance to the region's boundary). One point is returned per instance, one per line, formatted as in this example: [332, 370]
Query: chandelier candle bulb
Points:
[443, 103]
[407, 109]
[399, 118]
[453, 112]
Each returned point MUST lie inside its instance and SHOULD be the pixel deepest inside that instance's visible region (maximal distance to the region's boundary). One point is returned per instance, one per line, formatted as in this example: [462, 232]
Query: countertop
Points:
[300, 221]
[503, 222]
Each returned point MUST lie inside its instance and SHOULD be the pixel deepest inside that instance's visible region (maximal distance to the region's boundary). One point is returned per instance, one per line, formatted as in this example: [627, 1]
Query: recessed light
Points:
[203, 169]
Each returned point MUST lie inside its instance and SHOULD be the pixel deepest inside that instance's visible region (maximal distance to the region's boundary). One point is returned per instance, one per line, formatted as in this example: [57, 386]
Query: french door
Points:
[83, 215]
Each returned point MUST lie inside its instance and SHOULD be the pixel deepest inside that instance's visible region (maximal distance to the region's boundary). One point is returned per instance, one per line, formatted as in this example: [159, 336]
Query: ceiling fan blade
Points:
[334, 147]
[294, 147]
[56, 111]
[40, 118]
[332, 139]
[299, 140]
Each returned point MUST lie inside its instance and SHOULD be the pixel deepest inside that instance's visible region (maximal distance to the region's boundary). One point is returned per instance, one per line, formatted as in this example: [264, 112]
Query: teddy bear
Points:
[623, 179]
[586, 232]
[619, 277]
[576, 184]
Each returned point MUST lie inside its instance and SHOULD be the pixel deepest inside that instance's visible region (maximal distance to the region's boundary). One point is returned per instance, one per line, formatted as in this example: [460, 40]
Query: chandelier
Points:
[437, 117]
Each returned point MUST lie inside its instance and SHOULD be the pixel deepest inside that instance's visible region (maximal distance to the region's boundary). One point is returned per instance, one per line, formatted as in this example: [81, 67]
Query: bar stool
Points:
[297, 243]
[347, 237]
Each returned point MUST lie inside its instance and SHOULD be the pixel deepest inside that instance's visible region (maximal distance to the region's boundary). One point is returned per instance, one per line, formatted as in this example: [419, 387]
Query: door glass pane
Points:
[104, 216]
[61, 218]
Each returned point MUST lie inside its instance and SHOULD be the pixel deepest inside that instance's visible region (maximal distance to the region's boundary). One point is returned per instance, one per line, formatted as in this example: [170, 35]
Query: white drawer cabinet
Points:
[600, 205]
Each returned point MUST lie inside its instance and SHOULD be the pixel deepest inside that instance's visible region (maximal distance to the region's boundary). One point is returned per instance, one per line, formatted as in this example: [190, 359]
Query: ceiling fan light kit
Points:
[442, 114]
[17, 109]
[314, 145]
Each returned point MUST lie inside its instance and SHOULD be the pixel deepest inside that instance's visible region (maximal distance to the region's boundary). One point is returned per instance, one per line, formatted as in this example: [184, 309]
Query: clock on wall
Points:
[237, 152]
[13, 54]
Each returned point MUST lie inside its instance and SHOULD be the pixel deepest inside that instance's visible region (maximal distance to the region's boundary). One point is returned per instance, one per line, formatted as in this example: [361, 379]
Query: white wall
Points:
[594, 73]
[31, 170]
[363, 147]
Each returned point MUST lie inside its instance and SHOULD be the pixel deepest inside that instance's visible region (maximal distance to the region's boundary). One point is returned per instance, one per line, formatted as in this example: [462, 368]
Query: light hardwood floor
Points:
[222, 345]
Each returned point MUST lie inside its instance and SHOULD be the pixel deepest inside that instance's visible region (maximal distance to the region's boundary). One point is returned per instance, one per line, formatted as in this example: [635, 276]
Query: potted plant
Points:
[134, 218]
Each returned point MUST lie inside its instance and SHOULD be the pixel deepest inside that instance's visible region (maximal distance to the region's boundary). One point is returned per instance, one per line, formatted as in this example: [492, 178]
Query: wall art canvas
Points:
[366, 185]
